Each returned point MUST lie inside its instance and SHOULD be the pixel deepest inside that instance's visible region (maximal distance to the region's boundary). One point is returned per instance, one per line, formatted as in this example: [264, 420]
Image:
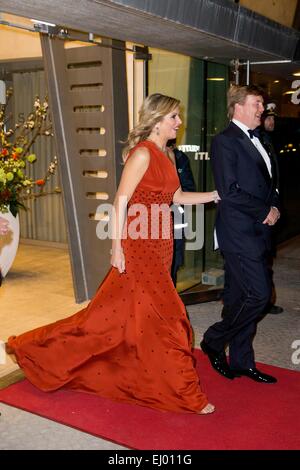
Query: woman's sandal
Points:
[8, 349]
[208, 409]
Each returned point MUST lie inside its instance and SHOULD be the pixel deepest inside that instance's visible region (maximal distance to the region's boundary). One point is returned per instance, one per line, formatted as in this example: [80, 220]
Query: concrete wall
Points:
[18, 43]
[282, 11]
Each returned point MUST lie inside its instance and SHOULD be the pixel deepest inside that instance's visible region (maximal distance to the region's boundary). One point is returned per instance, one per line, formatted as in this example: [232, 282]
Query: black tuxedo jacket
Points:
[185, 174]
[247, 194]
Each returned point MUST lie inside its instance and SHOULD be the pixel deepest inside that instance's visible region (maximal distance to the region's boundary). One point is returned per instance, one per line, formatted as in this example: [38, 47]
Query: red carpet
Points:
[248, 415]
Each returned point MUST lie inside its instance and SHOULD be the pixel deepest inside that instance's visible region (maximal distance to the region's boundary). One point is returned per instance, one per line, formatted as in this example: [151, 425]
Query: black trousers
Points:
[178, 257]
[230, 292]
[247, 298]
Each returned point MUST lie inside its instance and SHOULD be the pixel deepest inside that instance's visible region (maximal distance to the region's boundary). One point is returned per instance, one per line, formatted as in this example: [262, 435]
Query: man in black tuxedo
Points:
[248, 208]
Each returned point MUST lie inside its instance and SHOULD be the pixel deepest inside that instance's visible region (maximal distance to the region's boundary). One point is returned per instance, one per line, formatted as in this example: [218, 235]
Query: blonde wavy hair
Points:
[152, 111]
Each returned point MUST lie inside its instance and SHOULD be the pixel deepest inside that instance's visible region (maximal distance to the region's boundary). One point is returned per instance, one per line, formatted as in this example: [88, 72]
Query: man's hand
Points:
[272, 216]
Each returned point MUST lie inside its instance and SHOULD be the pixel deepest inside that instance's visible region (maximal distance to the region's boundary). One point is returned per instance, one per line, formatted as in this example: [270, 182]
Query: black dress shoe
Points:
[256, 375]
[218, 360]
[275, 310]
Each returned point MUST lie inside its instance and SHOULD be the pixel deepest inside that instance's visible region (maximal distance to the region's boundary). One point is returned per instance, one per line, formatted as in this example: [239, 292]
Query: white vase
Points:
[9, 243]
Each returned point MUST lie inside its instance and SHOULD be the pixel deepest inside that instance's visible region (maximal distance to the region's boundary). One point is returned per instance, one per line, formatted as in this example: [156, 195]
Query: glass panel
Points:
[190, 274]
[204, 113]
[217, 86]
[181, 76]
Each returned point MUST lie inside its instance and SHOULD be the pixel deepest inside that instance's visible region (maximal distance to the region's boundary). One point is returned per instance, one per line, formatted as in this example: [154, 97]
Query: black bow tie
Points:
[254, 133]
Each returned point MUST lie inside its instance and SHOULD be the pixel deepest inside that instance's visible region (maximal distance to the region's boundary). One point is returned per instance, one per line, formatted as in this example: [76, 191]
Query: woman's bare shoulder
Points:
[140, 154]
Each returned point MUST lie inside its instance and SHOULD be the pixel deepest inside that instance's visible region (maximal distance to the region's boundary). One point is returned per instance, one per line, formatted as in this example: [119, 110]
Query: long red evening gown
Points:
[132, 343]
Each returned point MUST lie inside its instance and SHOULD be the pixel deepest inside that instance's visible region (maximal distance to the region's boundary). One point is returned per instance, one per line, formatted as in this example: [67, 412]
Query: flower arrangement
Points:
[16, 155]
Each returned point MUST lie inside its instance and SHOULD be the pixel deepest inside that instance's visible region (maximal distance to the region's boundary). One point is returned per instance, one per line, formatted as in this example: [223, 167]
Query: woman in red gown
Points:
[132, 343]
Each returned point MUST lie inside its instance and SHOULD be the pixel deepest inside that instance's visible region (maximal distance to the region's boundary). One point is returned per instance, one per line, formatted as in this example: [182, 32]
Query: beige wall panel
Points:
[82, 119]
[282, 11]
[85, 76]
[18, 44]
[94, 141]
[169, 74]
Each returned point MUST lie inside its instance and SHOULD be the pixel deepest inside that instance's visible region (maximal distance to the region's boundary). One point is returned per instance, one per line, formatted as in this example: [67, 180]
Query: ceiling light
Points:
[296, 74]
[216, 79]
[43, 22]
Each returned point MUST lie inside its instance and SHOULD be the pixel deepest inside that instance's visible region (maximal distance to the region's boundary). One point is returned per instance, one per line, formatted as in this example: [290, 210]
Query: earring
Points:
[157, 130]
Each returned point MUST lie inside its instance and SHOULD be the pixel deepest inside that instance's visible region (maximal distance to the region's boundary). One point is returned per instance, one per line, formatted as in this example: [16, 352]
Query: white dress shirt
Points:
[255, 141]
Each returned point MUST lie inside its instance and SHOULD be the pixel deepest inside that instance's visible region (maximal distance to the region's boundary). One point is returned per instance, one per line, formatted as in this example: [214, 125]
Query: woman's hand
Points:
[183, 197]
[118, 259]
[216, 197]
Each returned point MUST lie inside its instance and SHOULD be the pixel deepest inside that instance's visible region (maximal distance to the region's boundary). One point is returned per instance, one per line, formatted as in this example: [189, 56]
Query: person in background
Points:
[187, 184]
[266, 129]
[248, 209]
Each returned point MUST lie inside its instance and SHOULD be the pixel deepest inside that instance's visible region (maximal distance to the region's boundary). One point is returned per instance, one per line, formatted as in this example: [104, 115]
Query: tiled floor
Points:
[38, 290]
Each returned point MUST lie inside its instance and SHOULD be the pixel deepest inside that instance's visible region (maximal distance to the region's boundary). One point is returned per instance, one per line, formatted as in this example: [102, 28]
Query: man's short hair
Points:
[237, 95]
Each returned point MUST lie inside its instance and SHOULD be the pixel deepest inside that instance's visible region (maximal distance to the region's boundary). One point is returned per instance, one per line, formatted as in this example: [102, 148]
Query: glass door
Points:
[201, 88]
